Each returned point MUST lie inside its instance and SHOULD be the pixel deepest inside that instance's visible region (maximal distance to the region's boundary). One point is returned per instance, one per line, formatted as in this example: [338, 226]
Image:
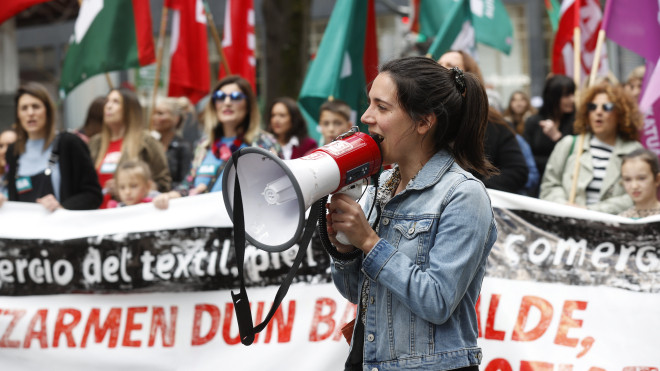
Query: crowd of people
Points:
[113, 160]
[564, 151]
[423, 251]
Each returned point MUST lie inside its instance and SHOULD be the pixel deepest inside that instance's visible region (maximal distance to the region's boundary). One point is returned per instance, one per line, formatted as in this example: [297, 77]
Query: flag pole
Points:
[576, 77]
[159, 64]
[576, 51]
[596, 64]
[576, 171]
[601, 39]
[107, 78]
[216, 37]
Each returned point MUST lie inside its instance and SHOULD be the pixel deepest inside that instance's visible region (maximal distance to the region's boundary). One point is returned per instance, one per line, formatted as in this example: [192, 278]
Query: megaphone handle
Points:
[354, 191]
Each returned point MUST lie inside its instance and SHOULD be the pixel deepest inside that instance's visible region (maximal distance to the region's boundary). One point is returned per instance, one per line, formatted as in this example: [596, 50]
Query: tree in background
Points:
[287, 25]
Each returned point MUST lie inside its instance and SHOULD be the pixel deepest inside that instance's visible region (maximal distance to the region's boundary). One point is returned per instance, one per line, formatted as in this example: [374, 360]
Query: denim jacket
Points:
[425, 272]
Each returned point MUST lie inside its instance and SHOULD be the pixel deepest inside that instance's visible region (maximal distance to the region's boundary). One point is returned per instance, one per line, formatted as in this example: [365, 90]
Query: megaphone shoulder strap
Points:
[241, 300]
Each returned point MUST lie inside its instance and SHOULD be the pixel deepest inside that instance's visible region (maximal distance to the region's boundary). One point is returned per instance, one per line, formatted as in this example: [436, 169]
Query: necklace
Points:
[223, 151]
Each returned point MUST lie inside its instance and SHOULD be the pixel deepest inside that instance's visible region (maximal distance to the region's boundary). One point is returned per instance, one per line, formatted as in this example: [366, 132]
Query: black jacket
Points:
[503, 151]
[540, 144]
[79, 186]
[179, 159]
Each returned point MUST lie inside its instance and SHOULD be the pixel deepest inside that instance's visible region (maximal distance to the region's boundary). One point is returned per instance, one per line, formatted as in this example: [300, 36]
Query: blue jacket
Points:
[425, 272]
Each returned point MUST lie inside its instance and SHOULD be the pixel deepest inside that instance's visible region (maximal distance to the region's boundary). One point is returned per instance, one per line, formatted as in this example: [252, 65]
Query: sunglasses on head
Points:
[234, 96]
[607, 107]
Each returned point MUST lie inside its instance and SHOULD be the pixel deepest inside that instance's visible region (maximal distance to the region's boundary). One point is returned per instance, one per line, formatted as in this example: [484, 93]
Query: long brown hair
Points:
[518, 119]
[298, 123]
[471, 65]
[426, 88]
[134, 125]
[40, 92]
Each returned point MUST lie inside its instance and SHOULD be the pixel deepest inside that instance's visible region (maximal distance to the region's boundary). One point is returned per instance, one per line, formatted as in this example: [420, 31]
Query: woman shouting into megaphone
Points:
[425, 247]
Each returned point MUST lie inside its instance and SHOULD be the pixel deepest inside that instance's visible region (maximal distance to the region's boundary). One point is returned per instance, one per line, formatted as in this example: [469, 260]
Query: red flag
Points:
[189, 66]
[590, 17]
[414, 14]
[10, 8]
[238, 42]
[370, 58]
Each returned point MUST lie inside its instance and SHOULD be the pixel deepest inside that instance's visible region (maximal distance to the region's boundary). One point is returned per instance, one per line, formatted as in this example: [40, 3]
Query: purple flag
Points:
[634, 25]
[651, 87]
[650, 107]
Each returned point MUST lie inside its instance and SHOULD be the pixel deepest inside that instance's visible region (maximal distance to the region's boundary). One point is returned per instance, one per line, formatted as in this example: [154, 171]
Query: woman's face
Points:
[518, 104]
[567, 103]
[386, 117]
[280, 120]
[231, 111]
[602, 118]
[163, 119]
[639, 181]
[32, 116]
[452, 59]
[113, 110]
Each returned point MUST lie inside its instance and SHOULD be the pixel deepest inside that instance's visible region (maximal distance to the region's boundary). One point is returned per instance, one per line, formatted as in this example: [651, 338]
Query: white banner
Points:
[173, 331]
[137, 288]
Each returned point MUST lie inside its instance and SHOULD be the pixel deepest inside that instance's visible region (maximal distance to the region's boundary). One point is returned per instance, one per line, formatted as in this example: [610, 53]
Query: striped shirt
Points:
[600, 157]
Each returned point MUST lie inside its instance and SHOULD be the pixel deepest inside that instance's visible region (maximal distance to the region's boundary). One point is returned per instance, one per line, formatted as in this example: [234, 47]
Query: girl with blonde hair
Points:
[124, 137]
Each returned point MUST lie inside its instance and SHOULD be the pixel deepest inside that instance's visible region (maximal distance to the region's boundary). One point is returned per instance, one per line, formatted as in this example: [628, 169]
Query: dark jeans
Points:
[354, 361]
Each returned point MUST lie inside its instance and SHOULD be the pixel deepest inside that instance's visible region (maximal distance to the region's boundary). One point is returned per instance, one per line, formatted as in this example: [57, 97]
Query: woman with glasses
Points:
[609, 121]
[231, 121]
[124, 137]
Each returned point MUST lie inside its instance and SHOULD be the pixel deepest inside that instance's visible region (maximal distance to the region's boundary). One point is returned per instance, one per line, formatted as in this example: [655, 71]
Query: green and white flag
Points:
[554, 11]
[338, 70]
[109, 35]
[453, 22]
[492, 25]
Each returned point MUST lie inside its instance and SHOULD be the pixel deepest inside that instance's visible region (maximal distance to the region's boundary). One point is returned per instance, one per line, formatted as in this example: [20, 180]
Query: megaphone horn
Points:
[276, 193]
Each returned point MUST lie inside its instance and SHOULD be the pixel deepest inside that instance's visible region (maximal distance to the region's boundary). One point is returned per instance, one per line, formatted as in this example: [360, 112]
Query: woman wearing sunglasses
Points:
[610, 122]
[231, 121]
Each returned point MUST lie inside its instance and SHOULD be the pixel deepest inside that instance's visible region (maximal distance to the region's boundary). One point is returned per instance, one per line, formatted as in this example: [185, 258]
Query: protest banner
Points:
[140, 288]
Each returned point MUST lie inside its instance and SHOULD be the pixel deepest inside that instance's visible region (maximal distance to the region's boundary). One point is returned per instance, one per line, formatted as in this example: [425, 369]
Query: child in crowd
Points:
[519, 109]
[134, 184]
[335, 119]
[640, 174]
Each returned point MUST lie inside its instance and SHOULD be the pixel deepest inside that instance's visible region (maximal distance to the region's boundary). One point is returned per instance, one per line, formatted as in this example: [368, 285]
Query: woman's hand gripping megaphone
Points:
[354, 191]
[348, 227]
[345, 221]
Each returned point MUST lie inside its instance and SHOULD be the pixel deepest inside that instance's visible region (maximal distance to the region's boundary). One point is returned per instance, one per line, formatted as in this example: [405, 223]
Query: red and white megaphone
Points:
[276, 193]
